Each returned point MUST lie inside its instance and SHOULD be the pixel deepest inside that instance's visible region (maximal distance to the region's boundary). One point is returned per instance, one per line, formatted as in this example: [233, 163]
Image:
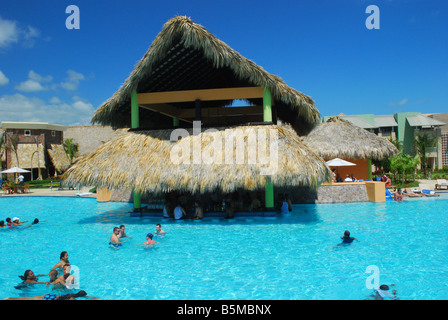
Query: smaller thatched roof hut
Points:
[339, 138]
[143, 160]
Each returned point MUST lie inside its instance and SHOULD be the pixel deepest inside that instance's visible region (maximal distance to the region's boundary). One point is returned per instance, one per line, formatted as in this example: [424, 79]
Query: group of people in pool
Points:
[229, 205]
[60, 279]
[116, 239]
[15, 222]
[382, 292]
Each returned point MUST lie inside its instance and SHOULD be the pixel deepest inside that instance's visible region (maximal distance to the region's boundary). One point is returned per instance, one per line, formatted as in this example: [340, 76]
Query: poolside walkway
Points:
[47, 192]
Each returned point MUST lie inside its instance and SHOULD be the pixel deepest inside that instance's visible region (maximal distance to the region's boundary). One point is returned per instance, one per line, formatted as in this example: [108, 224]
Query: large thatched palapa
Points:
[126, 162]
[189, 75]
[339, 138]
[185, 56]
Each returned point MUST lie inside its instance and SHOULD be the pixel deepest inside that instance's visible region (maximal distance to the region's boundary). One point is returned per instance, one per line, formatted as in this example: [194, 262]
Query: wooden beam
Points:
[217, 112]
[204, 95]
[167, 110]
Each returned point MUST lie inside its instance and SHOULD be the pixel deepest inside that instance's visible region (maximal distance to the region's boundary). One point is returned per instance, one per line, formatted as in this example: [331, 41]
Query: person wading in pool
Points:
[30, 277]
[346, 238]
[64, 260]
[114, 240]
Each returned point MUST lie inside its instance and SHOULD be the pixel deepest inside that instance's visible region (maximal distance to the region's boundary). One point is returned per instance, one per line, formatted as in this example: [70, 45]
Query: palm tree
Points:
[71, 149]
[421, 143]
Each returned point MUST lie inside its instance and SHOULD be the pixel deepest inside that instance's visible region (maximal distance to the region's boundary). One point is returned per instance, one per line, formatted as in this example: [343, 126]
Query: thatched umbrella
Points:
[185, 56]
[340, 138]
[143, 161]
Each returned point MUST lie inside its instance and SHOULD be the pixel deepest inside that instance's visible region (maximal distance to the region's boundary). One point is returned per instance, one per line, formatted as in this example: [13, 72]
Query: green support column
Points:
[369, 169]
[135, 123]
[267, 117]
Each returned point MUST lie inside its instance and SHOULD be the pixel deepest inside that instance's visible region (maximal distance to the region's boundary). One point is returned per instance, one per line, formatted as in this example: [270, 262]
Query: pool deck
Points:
[426, 184]
[47, 192]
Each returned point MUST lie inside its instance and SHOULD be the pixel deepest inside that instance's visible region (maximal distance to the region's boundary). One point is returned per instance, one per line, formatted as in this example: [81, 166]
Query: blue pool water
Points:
[287, 257]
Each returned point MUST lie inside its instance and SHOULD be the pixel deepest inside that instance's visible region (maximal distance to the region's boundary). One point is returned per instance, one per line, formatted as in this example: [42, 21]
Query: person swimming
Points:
[382, 293]
[346, 238]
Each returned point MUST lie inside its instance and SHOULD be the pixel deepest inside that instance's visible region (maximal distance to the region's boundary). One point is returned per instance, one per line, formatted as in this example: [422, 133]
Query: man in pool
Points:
[346, 238]
[114, 240]
[159, 230]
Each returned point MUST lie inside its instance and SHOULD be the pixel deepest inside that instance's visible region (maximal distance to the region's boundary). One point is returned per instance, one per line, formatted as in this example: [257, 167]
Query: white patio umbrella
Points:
[14, 170]
[336, 162]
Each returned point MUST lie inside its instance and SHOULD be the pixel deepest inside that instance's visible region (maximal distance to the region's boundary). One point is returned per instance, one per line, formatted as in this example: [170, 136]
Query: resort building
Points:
[405, 127]
[25, 146]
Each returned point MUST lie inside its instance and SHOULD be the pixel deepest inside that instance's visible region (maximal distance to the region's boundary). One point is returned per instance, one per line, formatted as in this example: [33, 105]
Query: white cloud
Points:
[11, 32]
[30, 86]
[18, 107]
[37, 77]
[402, 102]
[3, 79]
[72, 80]
[34, 83]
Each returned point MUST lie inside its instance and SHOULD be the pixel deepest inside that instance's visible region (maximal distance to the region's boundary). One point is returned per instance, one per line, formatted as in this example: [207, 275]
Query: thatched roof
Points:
[143, 159]
[185, 56]
[340, 138]
[30, 156]
[59, 157]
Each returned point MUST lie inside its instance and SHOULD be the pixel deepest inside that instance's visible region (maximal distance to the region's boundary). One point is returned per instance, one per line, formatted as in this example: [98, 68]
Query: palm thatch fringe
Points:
[293, 106]
[149, 162]
[340, 138]
[59, 157]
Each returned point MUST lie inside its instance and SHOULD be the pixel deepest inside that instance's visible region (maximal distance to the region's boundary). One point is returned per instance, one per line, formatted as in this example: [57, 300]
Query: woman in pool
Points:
[398, 196]
[286, 205]
[30, 277]
[63, 261]
[2, 224]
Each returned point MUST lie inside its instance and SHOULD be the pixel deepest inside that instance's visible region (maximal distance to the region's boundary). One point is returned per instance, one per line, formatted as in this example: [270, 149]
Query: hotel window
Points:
[27, 132]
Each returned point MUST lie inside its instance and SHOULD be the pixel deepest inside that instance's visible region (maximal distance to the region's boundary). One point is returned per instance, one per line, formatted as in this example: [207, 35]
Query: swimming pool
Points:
[287, 257]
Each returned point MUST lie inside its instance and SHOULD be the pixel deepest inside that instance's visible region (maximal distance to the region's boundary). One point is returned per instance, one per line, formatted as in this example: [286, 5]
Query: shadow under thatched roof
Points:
[340, 138]
[185, 56]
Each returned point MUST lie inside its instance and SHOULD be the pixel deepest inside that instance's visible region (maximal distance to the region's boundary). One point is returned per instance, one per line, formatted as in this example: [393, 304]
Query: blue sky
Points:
[321, 48]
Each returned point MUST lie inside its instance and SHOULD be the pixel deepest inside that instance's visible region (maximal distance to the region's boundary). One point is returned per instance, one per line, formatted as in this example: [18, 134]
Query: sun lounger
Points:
[429, 193]
[441, 184]
[80, 194]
